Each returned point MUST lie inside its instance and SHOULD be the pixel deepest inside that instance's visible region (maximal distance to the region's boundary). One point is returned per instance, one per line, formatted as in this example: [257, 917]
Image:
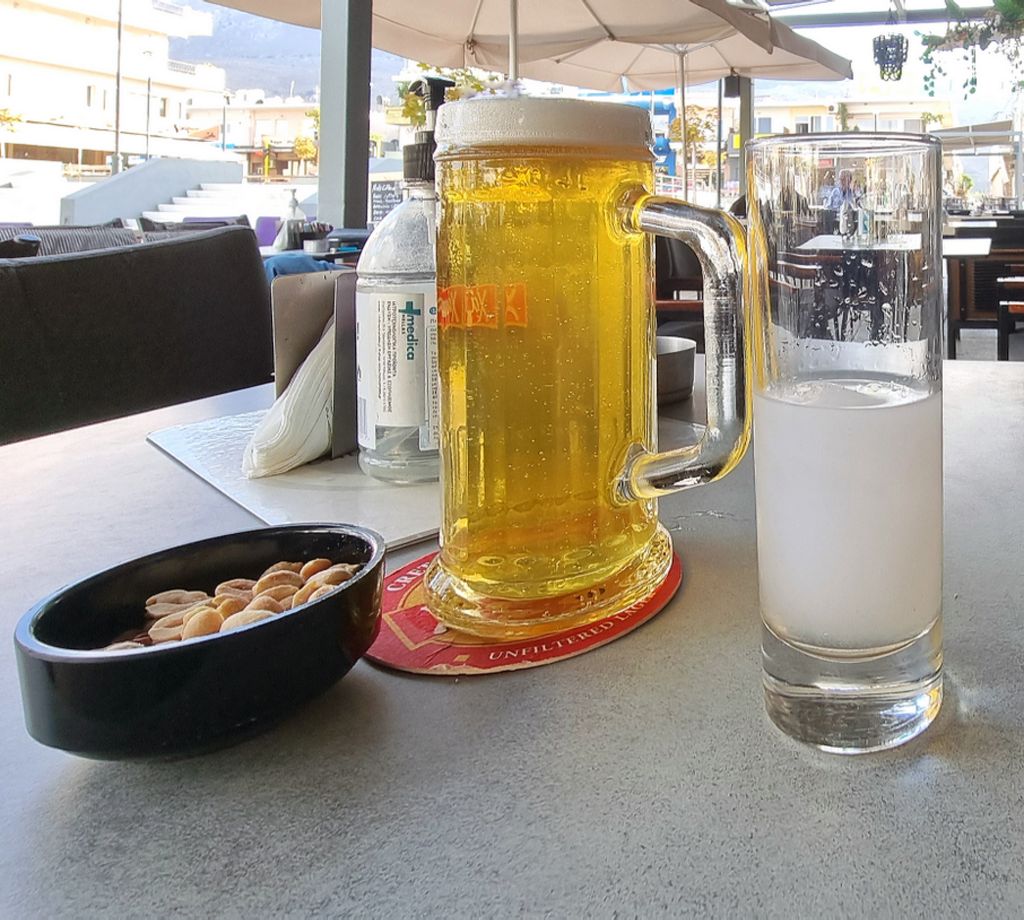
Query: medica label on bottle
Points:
[396, 355]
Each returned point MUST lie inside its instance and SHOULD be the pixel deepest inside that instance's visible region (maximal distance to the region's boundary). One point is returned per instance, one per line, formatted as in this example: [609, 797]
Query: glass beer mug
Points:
[549, 463]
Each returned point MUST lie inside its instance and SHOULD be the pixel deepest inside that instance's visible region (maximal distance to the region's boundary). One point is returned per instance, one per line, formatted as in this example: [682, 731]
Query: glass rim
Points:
[849, 142]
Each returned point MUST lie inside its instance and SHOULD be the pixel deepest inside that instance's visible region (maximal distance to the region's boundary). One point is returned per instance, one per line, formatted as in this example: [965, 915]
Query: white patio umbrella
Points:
[475, 33]
[655, 65]
[539, 37]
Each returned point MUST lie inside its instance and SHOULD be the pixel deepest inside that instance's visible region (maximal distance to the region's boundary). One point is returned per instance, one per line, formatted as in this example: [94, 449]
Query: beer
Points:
[547, 366]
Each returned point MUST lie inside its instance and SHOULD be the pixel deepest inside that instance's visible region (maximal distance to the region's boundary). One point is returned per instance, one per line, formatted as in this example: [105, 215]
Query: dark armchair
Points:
[98, 335]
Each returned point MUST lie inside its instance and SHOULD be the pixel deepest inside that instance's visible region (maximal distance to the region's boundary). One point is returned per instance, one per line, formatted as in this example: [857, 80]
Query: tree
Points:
[700, 128]
[8, 120]
[305, 149]
[314, 114]
[468, 82]
[843, 116]
[1001, 29]
[928, 118]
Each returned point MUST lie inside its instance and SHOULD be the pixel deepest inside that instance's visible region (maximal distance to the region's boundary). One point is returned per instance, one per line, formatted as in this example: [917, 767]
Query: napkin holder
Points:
[301, 306]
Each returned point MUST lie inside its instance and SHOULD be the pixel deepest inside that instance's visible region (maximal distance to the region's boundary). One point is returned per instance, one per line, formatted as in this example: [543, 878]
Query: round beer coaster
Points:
[411, 638]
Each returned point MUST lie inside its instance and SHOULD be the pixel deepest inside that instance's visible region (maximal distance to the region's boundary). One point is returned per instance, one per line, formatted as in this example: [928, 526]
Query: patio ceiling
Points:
[809, 14]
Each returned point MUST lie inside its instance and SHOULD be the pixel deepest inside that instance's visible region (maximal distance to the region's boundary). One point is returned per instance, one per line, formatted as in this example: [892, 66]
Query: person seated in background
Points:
[825, 196]
[843, 192]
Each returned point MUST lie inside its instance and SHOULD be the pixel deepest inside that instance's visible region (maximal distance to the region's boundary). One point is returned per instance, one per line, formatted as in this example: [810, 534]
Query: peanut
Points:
[313, 566]
[283, 567]
[282, 594]
[164, 633]
[335, 575]
[171, 620]
[276, 579]
[230, 605]
[262, 602]
[189, 614]
[236, 586]
[203, 622]
[157, 611]
[176, 596]
[244, 618]
[322, 590]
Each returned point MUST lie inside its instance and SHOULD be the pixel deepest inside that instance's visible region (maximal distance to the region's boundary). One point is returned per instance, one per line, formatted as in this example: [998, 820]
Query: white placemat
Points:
[328, 490]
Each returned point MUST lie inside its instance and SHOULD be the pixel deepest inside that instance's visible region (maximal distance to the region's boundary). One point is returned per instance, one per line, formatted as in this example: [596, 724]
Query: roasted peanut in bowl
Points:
[197, 646]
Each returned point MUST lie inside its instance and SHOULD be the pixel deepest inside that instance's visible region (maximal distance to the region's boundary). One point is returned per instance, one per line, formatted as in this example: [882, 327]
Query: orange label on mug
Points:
[515, 304]
[451, 305]
[482, 306]
[465, 307]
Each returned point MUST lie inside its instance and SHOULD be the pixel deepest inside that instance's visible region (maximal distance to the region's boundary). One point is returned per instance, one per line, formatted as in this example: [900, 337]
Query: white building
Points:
[58, 65]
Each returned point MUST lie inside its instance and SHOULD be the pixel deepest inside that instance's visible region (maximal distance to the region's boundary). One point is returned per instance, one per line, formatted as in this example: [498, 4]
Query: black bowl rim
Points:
[24, 632]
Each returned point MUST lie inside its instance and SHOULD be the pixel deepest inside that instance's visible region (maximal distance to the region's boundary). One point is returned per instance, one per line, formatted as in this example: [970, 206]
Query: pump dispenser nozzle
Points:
[418, 158]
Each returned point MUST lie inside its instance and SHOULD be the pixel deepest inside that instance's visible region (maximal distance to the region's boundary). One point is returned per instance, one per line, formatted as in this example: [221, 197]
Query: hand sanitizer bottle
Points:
[396, 322]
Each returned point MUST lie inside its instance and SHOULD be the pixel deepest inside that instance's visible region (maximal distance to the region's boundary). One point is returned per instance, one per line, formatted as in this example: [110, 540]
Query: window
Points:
[763, 126]
[913, 125]
[104, 100]
[163, 106]
[803, 127]
[10, 84]
[815, 123]
[90, 96]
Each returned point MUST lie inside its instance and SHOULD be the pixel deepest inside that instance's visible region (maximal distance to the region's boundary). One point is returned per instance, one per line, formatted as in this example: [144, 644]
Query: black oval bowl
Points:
[185, 697]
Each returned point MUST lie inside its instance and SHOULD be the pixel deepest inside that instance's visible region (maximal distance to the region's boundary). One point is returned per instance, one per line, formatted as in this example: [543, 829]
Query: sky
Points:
[992, 101]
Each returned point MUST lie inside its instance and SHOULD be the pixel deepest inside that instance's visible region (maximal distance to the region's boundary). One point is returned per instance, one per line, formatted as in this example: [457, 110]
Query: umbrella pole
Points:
[1018, 167]
[718, 149]
[513, 40]
[682, 120]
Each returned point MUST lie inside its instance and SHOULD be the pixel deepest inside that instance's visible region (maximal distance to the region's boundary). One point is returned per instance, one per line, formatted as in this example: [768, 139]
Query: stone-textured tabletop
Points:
[642, 779]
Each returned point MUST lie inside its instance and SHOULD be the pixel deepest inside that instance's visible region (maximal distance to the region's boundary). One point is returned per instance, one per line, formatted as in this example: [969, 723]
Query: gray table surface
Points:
[642, 779]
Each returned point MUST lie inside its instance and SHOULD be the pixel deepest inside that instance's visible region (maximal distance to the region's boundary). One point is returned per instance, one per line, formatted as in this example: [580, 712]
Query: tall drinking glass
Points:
[845, 237]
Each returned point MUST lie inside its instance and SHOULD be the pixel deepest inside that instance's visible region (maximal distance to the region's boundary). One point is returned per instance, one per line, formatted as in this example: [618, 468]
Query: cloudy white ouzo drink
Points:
[848, 348]
[849, 512]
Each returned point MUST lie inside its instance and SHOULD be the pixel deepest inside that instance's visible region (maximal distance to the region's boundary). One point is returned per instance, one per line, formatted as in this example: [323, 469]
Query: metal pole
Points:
[149, 106]
[746, 125]
[224, 125]
[718, 148]
[682, 119]
[1018, 168]
[115, 166]
[513, 40]
[342, 186]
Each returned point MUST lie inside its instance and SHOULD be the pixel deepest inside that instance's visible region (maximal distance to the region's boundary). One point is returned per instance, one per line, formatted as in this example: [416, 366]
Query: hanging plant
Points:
[891, 55]
[1001, 29]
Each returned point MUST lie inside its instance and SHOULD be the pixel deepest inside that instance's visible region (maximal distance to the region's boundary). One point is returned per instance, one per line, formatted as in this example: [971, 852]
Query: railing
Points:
[180, 66]
[83, 171]
[167, 8]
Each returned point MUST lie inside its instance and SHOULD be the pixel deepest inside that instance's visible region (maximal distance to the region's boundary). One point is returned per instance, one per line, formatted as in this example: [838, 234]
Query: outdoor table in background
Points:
[958, 254]
[642, 778]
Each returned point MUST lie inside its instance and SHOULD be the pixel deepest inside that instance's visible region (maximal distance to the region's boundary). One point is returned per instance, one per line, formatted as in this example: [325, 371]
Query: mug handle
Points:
[718, 240]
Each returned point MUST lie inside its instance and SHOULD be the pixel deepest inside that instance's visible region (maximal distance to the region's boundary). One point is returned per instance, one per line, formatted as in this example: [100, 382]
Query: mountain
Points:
[260, 53]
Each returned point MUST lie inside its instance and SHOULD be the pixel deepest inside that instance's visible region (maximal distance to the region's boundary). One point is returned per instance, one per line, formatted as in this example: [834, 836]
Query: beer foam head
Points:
[515, 121]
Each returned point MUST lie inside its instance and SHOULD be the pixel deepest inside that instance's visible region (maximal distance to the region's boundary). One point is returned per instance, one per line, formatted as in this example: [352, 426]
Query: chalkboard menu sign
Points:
[384, 195]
